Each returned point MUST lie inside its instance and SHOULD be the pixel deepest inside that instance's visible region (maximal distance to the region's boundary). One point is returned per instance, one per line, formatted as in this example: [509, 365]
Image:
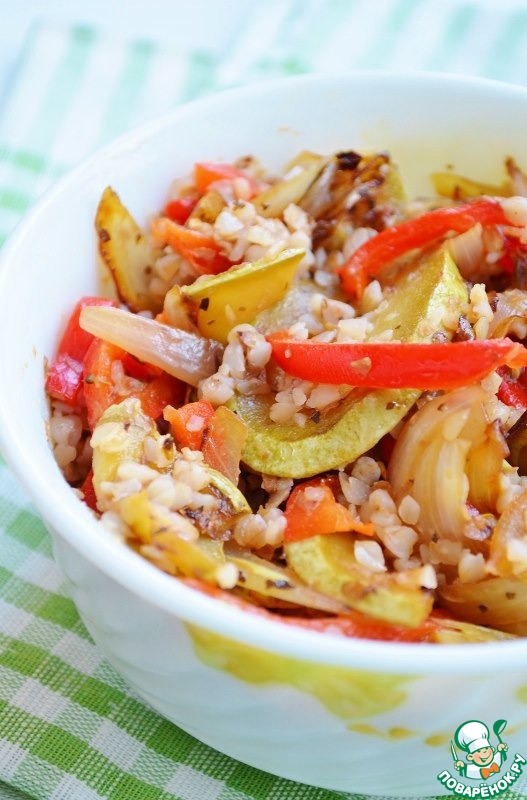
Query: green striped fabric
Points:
[70, 729]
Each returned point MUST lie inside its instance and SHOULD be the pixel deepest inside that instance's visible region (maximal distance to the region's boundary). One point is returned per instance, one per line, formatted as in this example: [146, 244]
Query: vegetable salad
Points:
[307, 395]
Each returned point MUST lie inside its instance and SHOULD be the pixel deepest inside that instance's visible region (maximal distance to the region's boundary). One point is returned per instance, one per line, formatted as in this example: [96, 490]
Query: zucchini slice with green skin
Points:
[327, 563]
[421, 298]
[239, 294]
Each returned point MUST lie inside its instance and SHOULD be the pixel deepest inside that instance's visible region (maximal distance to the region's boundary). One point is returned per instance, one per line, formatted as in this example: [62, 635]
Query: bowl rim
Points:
[74, 523]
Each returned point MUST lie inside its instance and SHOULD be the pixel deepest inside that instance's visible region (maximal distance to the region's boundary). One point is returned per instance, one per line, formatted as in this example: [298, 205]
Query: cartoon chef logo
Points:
[482, 758]
[477, 758]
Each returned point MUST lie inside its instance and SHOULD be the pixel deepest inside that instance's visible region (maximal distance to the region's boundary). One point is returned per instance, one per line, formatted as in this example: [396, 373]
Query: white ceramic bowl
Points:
[359, 716]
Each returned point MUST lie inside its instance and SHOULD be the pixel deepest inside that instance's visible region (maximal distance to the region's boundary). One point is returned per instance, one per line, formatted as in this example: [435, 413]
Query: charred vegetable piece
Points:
[414, 311]
[218, 433]
[168, 539]
[127, 252]
[239, 294]
[232, 505]
[353, 190]
[517, 444]
[189, 422]
[159, 538]
[328, 564]
[500, 603]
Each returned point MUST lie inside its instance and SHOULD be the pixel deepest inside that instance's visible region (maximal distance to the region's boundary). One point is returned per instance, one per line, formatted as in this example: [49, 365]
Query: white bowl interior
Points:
[427, 122]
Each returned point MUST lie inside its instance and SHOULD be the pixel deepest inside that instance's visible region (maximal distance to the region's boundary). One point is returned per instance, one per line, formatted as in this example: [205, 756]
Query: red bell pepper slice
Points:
[220, 434]
[189, 423]
[141, 370]
[394, 242]
[203, 252]
[223, 442]
[207, 173]
[159, 393]
[180, 209]
[514, 258]
[511, 392]
[64, 378]
[396, 365]
[88, 492]
[100, 391]
[306, 517]
[75, 340]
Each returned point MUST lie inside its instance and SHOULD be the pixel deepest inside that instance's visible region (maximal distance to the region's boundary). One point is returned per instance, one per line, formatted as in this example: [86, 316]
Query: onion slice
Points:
[497, 602]
[184, 355]
[430, 458]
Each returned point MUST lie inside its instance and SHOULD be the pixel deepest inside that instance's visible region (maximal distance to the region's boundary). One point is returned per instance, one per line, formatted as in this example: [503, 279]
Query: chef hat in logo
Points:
[472, 736]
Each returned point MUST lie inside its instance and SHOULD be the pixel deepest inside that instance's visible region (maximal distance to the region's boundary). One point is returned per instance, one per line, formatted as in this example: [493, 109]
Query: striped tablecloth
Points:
[70, 729]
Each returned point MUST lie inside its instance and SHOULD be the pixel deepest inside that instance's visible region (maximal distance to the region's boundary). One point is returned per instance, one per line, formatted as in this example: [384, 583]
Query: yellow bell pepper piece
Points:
[239, 294]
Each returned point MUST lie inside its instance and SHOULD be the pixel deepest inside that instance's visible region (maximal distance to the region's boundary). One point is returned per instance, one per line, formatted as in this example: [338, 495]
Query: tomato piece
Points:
[317, 513]
[394, 242]
[395, 365]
